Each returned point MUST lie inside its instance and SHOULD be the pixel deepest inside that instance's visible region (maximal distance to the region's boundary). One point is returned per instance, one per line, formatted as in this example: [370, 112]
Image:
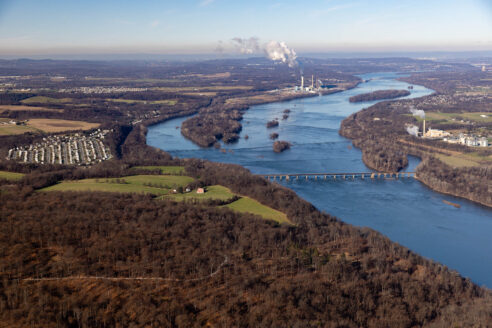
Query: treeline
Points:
[473, 183]
[379, 95]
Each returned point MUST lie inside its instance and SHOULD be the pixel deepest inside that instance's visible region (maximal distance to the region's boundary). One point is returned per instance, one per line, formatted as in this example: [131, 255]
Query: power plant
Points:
[312, 88]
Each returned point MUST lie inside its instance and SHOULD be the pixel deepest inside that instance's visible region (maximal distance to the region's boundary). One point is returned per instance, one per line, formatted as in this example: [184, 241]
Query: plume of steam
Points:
[417, 112]
[278, 51]
[274, 50]
[412, 130]
[247, 46]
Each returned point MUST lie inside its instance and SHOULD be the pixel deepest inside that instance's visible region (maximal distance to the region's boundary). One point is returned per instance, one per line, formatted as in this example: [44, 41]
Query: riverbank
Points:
[405, 210]
[380, 131]
[221, 120]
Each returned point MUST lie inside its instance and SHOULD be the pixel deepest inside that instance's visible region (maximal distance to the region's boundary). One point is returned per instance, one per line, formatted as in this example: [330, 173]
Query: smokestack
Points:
[423, 130]
[302, 82]
[312, 81]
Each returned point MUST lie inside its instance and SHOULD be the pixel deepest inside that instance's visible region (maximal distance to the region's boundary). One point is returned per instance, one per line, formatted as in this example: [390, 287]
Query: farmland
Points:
[148, 184]
[173, 170]
[482, 117]
[17, 108]
[57, 125]
[169, 102]
[211, 193]
[45, 100]
[249, 205]
[12, 129]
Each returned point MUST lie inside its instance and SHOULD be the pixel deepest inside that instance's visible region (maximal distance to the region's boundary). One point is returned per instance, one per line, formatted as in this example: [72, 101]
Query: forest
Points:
[92, 259]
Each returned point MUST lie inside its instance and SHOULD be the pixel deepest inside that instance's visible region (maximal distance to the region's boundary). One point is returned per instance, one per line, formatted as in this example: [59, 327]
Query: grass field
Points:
[16, 108]
[212, 192]
[457, 161]
[11, 176]
[164, 169]
[46, 100]
[159, 184]
[56, 125]
[448, 117]
[248, 205]
[169, 102]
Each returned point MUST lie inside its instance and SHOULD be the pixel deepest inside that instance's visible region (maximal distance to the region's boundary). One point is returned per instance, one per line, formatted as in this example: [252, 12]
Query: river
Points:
[405, 210]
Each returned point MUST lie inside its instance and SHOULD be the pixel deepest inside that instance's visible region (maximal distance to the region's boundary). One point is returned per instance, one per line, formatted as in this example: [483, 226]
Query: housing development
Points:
[64, 149]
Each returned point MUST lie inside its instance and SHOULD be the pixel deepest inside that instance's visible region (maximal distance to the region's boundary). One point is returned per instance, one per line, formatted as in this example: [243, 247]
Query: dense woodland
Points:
[218, 267]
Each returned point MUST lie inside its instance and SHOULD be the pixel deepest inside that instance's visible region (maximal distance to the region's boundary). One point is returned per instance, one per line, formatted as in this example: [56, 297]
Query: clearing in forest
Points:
[249, 205]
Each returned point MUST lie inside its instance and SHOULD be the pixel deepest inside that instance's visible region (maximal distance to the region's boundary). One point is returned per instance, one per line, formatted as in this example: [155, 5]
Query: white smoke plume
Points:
[274, 50]
[247, 46]
[417, 112]
[278, 51]
[412, 130]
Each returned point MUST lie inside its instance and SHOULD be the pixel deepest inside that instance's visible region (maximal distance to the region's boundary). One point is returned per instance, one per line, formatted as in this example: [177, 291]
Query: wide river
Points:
[405, 210]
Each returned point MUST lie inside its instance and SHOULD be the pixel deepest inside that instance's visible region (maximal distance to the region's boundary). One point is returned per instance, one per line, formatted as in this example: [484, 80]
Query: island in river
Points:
[379, 95]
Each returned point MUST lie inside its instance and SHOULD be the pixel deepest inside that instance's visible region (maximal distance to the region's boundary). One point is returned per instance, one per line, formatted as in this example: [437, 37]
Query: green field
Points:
[163, 169]
[169, 102]
[248, 205]
[456, 161]
[211, 192]
[149, 184]
[448, 117]
[45, 100]
[11, 176]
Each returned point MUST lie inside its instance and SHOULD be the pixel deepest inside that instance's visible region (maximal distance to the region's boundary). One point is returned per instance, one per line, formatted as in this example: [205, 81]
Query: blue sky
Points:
[197, 26]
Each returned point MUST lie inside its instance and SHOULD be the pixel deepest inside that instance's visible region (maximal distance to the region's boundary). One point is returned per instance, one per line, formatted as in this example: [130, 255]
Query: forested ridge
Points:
[318, 272]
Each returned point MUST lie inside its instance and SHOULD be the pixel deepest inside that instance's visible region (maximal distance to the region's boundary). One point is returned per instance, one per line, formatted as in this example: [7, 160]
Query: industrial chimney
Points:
[423, 129]
[302, 82]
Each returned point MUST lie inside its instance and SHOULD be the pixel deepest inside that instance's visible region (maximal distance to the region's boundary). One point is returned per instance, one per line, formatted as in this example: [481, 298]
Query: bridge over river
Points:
[340, 176]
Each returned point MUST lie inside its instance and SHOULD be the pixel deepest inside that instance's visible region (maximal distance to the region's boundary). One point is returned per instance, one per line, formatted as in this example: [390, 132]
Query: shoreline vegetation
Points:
[380, 132]
[221, 120]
